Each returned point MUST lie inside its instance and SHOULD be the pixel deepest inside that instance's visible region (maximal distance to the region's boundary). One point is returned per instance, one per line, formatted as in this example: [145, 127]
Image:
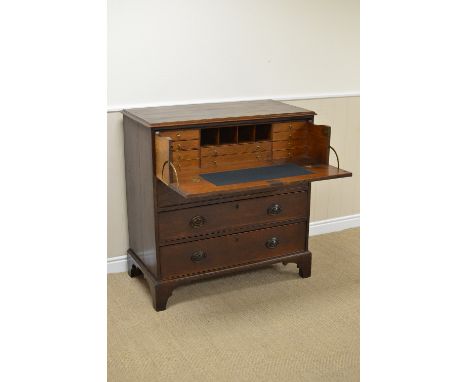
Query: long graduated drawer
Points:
[201, 220]
[231, 250]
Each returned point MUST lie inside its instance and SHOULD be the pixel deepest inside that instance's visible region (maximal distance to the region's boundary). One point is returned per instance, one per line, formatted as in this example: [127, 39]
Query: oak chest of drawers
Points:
[219, 188]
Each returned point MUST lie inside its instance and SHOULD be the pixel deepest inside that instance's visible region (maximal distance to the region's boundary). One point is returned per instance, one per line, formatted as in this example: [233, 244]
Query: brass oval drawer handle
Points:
[197, 221]
[198, 256]
[272, 243]
[275, 209]
[178, 135]
[179, 147]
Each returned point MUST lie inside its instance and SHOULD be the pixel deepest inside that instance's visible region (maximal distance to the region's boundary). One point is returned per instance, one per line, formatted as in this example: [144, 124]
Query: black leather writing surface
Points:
[255, 174]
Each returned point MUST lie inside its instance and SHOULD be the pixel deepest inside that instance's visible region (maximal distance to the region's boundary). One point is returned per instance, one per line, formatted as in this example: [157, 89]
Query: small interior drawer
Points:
[215, 161]
[294, 134]
[230, 250]
[186, 165]
[185, 155]
[235, 149]
[205, 219]
[193, 144]
[181, 135]
[290, 152]
[289, 144]
[288, 126]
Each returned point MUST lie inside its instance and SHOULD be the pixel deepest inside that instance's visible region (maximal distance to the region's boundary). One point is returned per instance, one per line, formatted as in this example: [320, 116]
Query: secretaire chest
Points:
[219, 188]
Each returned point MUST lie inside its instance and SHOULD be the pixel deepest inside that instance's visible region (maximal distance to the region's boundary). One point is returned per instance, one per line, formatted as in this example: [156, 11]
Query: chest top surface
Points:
[203, 114]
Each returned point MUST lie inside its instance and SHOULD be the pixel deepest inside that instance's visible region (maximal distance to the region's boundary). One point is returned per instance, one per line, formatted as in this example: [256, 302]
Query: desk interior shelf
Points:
[235, 134]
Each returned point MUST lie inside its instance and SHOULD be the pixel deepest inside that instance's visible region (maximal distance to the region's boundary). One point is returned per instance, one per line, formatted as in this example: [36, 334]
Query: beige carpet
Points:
[265, 325]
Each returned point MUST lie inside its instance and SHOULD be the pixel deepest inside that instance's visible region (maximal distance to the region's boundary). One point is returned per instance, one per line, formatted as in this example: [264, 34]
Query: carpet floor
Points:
[264, 325]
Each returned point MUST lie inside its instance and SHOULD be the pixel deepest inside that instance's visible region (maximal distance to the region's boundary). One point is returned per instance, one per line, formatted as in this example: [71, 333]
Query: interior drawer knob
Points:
[197, 221]
[198, 256]
[272, 243]
[275, 209]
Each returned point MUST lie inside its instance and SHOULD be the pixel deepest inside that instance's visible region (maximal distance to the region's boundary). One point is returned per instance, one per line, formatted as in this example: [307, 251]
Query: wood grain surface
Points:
[226, 216]
[203, 114]
[231, 250]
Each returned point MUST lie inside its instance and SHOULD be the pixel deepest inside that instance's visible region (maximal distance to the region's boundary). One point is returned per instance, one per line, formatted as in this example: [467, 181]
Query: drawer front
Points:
[288, 126]
[184, 160]
[185, 145]
[230, 250]
[185, 155]
[213, 218]
[215, 161]
[290, 144]
[186, 165]
[181, 135]
[290, 152]
[294, 134]
[235, 149]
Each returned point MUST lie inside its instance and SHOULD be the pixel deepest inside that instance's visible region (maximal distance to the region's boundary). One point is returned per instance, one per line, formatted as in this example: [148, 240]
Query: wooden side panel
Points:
[318, 141]
[162, 148]
[139, 187]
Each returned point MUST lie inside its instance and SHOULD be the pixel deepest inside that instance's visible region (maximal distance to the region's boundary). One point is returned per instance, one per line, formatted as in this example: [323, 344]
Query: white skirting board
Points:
[119, 263]
[333, 225]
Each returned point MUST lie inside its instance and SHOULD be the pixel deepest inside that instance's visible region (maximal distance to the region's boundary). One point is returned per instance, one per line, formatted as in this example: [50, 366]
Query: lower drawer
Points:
[231, 250]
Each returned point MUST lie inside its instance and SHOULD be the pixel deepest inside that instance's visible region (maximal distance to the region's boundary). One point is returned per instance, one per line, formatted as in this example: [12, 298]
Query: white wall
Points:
[169, 52]
[183, 51]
